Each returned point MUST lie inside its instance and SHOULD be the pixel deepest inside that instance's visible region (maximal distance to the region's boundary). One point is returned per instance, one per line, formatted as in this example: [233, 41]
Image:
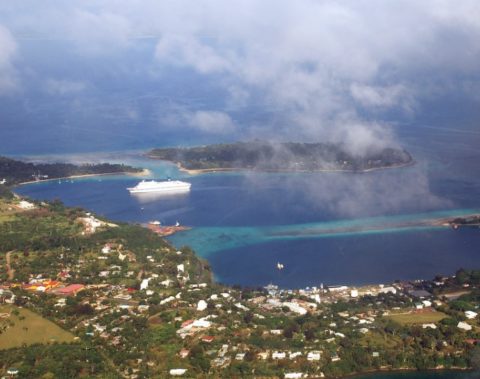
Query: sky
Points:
[106, 74]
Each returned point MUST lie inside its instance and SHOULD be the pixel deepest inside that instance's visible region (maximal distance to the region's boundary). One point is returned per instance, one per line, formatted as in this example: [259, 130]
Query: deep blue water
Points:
[318, 225]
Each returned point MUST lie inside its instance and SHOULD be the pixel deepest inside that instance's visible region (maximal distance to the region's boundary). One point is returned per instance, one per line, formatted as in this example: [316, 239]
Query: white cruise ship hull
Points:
[169, 190]
[160, 187]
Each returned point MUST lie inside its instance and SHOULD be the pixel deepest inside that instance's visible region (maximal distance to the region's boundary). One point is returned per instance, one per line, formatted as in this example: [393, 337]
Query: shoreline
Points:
[240, 169]
[144, 172]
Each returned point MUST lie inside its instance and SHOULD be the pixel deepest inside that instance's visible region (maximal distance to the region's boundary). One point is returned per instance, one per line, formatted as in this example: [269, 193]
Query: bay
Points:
[319, 225]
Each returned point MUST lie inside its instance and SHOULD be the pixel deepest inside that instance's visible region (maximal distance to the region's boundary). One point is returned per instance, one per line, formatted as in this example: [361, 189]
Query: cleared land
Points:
[28, 328]
[417, 317]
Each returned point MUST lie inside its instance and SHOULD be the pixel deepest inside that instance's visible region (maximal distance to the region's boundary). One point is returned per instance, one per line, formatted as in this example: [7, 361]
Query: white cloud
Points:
[307, 58]
[205, 121]
[382, 97]
[99, 33]
[211, 122]
[191, 52]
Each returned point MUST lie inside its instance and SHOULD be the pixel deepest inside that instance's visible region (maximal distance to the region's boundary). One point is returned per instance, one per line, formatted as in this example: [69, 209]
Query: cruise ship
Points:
[170, 186]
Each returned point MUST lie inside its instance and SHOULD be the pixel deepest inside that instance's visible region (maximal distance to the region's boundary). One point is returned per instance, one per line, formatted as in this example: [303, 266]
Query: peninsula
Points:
[14, 172]
[288, 157]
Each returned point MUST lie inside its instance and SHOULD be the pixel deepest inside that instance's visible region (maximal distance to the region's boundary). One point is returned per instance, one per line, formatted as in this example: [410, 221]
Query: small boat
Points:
[280, 266]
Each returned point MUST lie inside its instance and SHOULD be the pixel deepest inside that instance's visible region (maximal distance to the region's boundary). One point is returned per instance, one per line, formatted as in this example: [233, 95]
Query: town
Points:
[81, 296]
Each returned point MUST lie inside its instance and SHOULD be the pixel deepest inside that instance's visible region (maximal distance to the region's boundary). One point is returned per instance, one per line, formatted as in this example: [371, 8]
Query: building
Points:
[470, 315]
[464, 326]
[70, 290]
[177, 371]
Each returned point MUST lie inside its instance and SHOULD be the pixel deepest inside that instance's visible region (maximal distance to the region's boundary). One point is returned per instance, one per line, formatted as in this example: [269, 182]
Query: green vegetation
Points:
[258, 155]
[20, 326]
[417, 317]
[143, 307]
[14, 172]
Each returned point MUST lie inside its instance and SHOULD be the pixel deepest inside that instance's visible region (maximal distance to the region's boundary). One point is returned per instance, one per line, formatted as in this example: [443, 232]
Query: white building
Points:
[279, 355]
[470, 315]
[178, 371]
[464, 326]
[294, 375]
[202, 305]
[314, 355]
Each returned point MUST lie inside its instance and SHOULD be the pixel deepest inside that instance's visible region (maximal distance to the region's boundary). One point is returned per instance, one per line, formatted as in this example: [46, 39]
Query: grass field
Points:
[417, 318]
[32, 329]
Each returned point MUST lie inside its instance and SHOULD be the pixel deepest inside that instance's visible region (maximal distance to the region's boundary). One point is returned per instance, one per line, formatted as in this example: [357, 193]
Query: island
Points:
[467, 221]
[13, 172]
[281, 156]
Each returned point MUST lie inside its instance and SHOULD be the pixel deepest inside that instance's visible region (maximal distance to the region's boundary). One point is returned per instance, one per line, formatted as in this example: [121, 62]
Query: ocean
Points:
[330, 228]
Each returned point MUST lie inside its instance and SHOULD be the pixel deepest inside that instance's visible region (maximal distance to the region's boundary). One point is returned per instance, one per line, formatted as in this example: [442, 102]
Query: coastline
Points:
[144, 172]
[235, 169]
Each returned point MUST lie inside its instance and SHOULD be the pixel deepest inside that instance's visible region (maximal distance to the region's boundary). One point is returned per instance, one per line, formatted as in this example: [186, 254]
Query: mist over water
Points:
[332, 228]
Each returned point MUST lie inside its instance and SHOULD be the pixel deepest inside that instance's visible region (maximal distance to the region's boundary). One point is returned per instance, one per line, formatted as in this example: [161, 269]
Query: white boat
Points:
[170, 186]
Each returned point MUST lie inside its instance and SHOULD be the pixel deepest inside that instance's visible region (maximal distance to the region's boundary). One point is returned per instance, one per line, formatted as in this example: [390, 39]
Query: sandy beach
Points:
[144, 172]
[223, 169]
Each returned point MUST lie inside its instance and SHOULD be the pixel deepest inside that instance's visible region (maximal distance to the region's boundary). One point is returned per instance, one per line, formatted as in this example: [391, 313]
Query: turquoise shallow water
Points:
[208, 240]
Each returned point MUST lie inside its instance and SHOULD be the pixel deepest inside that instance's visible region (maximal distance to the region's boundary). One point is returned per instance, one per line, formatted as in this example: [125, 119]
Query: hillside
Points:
[14, 171]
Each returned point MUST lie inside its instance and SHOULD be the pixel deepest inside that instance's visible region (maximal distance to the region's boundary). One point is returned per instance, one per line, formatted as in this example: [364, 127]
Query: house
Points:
[464, 326]
[263, 355]
[335, 357]
[421, 294]
[106, 249]
[184, 353]
[294, 375]
[294, 355]
[294, 307]
[26, 205]
[388, 290]
[240, 356]
[470, 314]
[314, 355]
[202, 305]
[177, 371]
[375, 354]
[431, 326]
[279, 355]
[70, 290]
[208, 339]
[12, 371]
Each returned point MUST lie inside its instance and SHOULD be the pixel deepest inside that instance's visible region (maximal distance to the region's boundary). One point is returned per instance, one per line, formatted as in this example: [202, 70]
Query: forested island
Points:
[288, 156]
[14, 172]
[471, 221]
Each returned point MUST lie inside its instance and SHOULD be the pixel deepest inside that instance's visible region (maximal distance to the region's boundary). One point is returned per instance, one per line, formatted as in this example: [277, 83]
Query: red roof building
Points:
[70, 290]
